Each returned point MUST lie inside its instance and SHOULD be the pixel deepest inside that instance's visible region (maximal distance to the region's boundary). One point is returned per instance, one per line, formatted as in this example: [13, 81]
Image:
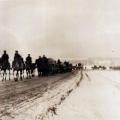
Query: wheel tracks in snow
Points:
[19, 104]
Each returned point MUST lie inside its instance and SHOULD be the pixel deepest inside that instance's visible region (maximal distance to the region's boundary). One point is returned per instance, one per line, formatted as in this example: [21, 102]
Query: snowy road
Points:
[18, 97]
[97, 98]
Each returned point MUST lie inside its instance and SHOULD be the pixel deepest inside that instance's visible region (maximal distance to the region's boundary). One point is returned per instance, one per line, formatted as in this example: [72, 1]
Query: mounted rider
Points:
[5, 60]
[28, 66]
[45, 65]
[28, 63]
[59, 62]
[5, 57]
[17, 56]
[18, 60]
[60, 66]
[29, 59]
[39, 65]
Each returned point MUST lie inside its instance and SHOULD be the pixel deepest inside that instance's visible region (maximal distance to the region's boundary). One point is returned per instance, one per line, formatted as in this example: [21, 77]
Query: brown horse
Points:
[28, 67]
[4, 67]
[18, 66]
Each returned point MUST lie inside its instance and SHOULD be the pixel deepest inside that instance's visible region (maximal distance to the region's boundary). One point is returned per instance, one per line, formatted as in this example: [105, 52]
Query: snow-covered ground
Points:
[61, 97]
[36, 98]
[97, 98]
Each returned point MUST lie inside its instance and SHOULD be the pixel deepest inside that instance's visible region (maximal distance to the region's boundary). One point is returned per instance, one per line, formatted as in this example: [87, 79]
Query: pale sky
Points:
[61, 28]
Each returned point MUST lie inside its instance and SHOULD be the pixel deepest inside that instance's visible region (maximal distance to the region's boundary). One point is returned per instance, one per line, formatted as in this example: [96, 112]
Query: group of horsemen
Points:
[44, 65]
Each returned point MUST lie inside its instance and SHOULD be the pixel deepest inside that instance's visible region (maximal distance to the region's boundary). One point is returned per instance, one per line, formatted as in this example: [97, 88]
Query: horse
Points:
[4, 67]
[68, 67]
[28, 67]
[18, 66]
[33, 67]
[38, 64]
[42, 65]
[61, 68]
[52, 66]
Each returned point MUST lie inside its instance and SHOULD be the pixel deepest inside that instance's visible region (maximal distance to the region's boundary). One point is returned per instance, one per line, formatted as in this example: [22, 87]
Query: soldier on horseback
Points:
[17, 56]
[39, 65]
[18, 65]
[45, 65]
[29, 59]
[28, 63]
[5, 65]
[60, 66]
[5, 57]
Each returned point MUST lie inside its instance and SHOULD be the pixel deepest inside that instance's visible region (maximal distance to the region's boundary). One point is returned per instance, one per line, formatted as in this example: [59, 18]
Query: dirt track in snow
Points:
[16, 94]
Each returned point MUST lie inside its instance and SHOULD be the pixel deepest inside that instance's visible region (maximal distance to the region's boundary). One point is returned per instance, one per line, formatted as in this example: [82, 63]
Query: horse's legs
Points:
[27, 73]
[21, 74]
[3, 76]
[30, 74]
[9, 74]
[17, 75]
[13, 72]
[0, 71]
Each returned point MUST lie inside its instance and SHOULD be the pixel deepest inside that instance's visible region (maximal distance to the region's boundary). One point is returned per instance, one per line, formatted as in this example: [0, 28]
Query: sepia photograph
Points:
[59, 60]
